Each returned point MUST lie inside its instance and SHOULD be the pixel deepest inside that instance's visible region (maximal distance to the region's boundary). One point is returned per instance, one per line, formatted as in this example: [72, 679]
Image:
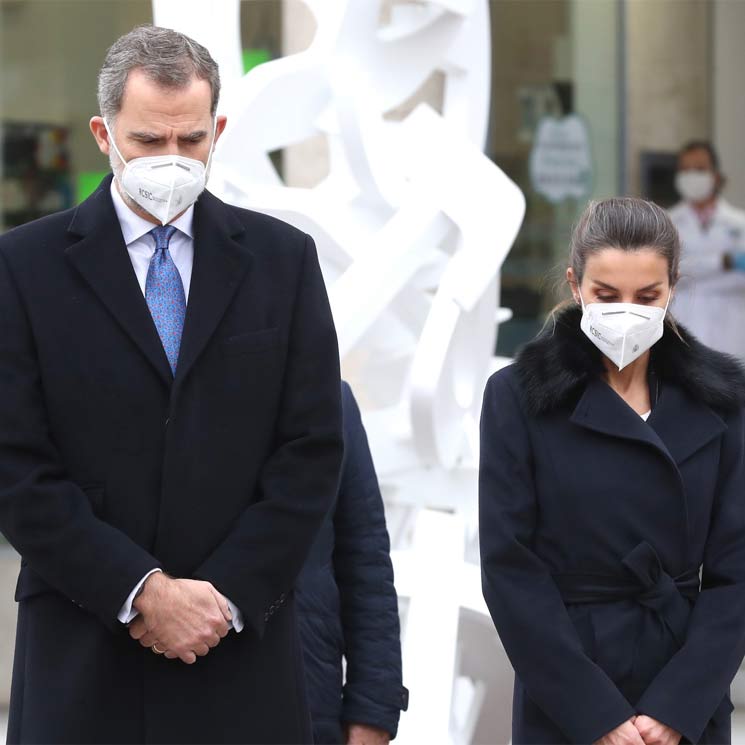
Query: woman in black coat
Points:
[612, 505]
[347, 607]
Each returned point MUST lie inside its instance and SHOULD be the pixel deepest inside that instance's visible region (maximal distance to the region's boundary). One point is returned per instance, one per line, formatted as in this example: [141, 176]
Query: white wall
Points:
[669, 73]
[594, 39]
[729, 93]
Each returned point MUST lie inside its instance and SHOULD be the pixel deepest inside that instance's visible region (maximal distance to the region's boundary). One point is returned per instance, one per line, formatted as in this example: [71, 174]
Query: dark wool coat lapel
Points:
[556, 366]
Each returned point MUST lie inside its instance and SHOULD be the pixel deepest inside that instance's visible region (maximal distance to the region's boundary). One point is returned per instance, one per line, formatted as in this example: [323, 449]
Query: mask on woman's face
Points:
[623, 331]
[695, 186]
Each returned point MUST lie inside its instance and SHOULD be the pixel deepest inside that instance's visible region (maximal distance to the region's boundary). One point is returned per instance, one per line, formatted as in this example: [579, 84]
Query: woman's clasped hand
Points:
[641, 730]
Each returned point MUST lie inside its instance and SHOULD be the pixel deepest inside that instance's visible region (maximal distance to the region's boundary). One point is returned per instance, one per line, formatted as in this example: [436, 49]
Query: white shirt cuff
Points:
[127, 613]
[237, 622]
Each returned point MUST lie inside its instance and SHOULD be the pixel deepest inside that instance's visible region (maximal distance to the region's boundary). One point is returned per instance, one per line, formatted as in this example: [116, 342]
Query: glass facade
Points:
[50, 53]
[590, 98]
[554, 129]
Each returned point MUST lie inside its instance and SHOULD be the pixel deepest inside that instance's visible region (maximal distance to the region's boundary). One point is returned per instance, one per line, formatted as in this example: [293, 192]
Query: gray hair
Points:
[167, 57]
[628, 224]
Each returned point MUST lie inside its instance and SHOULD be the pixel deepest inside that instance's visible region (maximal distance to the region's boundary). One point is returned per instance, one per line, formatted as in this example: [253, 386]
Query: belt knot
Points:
[661, 593]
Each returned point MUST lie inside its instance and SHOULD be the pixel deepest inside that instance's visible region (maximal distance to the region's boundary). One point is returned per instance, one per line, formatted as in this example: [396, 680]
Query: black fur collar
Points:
[555, 367]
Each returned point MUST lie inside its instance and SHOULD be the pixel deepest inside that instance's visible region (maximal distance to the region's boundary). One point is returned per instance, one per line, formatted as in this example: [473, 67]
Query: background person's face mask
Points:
[695, 186]
[163, 185]
[623, 331]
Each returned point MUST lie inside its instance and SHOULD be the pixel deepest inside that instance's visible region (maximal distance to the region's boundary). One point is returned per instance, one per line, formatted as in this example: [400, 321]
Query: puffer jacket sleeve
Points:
[523, 599]
[373, 692]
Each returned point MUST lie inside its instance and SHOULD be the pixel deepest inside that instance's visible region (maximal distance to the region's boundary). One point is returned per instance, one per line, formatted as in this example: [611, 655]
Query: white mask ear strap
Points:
[581, 300]
[113, 143]
[669, 298]
[212, 147]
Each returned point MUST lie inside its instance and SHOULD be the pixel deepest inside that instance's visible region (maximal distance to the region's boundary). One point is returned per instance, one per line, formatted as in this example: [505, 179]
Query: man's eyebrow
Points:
[143, 135]
[153, 137]
[196, 135]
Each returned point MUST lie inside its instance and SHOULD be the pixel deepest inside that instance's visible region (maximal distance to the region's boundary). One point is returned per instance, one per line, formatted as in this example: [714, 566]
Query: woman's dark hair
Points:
[628, 224]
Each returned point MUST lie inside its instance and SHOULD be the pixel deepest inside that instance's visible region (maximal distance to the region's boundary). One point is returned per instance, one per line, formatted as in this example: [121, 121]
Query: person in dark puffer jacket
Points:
[347, 607]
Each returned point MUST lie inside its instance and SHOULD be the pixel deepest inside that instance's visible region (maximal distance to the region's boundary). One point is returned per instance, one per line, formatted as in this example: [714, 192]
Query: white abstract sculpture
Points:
[412, 225]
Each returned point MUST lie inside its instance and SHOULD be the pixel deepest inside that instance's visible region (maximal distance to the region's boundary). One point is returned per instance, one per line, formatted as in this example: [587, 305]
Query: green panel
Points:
[254, 57]
[87, 183]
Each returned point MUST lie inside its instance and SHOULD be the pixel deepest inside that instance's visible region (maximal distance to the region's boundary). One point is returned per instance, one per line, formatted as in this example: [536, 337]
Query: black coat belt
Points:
[647, 583]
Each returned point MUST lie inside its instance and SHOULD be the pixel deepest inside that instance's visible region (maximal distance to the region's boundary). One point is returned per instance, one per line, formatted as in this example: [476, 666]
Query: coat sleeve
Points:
[689, 689]
[43, 514]
[373, 693]
[257, 563]
[528, 611]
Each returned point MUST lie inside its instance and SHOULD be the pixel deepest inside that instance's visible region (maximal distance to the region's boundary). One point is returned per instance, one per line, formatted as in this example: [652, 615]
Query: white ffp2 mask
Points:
[623, 331]
[163, 185]
[695, 186]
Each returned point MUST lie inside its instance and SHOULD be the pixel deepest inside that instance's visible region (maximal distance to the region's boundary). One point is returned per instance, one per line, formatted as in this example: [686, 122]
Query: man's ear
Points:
[100, 134]
[220, 128]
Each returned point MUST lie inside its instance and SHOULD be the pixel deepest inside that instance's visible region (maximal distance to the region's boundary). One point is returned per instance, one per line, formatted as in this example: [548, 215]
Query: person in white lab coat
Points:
[710, 297]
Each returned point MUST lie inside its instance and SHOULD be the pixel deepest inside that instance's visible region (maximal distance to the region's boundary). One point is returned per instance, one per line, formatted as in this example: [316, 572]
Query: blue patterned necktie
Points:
[164, 293]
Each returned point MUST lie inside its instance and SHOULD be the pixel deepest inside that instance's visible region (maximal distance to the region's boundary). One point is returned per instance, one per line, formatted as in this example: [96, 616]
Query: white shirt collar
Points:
[135, 227]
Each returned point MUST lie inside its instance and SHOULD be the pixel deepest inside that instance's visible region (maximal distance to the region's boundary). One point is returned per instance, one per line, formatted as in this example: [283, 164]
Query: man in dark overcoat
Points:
[170, 434]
